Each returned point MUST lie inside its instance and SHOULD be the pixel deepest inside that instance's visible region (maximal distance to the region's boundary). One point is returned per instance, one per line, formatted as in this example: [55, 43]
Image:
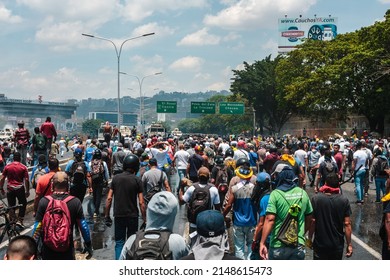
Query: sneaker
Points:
[95, 215]
[366, 194]
[20, 224]
[359, 202]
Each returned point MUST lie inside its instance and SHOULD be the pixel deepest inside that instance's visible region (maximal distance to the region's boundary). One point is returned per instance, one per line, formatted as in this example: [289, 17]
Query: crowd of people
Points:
[246, 198]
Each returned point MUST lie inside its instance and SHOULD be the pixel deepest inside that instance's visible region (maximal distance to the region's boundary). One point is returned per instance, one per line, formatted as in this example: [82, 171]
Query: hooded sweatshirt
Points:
[161, 214]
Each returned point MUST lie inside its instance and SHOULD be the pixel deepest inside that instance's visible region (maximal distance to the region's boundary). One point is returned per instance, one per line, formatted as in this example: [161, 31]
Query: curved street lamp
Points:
[118, 55]
[141, 98]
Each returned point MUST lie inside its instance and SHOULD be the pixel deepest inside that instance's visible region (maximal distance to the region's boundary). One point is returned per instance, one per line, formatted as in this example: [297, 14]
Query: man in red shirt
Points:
[48, 129]
[338, 156]
[18, 186]
[21, 138]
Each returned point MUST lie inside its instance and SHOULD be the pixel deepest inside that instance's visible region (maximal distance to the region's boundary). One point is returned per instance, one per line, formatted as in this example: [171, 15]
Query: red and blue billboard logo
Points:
[293, 33]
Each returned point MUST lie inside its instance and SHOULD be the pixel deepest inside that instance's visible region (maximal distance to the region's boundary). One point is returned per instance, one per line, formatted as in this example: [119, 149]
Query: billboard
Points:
[293, 31]
[112, 117]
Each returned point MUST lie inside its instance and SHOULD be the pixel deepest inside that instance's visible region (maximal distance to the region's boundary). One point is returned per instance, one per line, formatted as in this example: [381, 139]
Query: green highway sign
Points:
[236, 108]
[203, 107]
[166, 106]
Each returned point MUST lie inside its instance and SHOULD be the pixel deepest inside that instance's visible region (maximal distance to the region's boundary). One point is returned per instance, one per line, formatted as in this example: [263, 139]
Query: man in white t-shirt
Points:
[180, 161]
[301, 155]
[160, 153]
[359, 163]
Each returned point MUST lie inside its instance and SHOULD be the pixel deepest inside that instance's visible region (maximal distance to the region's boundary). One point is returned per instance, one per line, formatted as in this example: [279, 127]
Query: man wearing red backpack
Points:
[59, 213]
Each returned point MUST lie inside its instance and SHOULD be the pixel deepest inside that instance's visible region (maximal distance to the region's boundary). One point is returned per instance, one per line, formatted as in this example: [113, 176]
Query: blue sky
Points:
[196, 44]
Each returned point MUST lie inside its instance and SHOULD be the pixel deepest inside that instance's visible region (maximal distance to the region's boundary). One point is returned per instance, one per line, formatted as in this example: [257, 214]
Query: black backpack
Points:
[144, 248]
[259, 190]
[154, 189]
[200, 201]
[221, 180]
[79, 171]
[329, 167]
[97, 171]
[382, 164]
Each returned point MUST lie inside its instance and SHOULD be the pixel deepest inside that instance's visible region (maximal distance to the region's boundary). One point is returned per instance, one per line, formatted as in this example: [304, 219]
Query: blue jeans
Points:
[359, 183]
[124, 228]
[243, 237]
[380, 185]
[287, 253]
[182, 173]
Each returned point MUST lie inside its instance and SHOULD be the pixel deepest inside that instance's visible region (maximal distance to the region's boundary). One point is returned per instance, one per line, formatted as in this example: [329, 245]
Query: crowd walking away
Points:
[200, 197]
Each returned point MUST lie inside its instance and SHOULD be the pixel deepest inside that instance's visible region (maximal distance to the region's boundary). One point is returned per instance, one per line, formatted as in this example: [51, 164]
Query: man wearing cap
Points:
[60, 192]
[203, 175]
[211, 241]
[76, 189]
[154, 177]
[21, 139]
[286, 193]
[244, 213]
[263, 182]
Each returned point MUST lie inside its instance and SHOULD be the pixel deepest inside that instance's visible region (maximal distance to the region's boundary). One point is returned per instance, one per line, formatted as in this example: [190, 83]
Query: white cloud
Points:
[203, 76]
[384, 1]
[60, 36]
[158, 29]
[7, 17]
[271, 46]
[218, 86]
[240, 67]
[135, 10]
[190, 63]
[254, 14]
[95, 11]
[200, 38]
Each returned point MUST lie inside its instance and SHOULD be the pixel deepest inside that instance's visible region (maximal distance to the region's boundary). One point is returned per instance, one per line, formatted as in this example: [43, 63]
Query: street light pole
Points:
[254, 121]
[141, 97]
[118, 55]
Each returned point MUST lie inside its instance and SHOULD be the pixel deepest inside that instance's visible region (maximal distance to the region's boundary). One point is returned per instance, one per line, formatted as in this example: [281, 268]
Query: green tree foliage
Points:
[257, 83]
[91, 127]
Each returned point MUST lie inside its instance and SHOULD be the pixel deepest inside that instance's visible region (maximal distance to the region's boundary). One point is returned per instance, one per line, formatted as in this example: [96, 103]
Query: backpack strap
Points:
[160, 182]
[47, 187]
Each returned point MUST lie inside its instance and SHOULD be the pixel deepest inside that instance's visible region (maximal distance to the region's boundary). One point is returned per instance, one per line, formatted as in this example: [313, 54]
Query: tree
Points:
[257, 84]
[91, 127]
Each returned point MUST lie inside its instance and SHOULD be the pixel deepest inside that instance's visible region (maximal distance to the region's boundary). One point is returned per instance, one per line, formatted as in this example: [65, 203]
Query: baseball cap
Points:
[210, 223]
[78, 151]
[262, 177]
[279, 168]
[203, 172]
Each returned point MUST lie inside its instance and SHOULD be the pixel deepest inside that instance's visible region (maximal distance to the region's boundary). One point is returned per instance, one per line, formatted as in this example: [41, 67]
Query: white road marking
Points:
[367, 248]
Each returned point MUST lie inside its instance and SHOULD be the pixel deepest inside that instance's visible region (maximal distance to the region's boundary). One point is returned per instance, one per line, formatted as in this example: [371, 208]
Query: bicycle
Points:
[9, 227]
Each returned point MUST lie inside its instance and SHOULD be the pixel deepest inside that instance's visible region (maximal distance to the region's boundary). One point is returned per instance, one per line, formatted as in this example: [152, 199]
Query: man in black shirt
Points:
[331, 222]
[127, 188]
